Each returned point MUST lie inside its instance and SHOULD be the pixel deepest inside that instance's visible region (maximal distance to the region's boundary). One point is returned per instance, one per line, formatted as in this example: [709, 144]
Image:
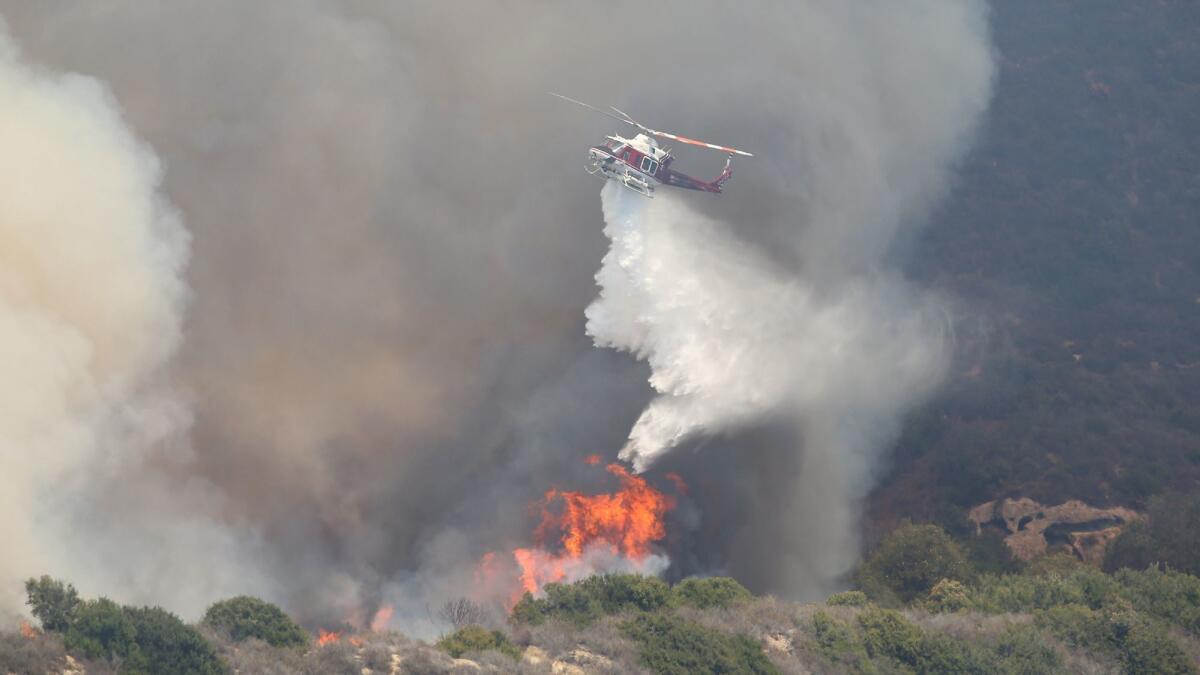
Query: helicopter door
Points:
[649, 166]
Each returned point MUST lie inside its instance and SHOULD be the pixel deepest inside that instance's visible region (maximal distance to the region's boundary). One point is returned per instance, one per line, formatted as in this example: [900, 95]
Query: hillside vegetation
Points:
[923, 602]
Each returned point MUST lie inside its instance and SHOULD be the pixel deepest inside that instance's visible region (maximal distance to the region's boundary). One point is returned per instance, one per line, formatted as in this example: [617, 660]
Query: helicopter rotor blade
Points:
[702, 144]
[592, 107]
[624, 117]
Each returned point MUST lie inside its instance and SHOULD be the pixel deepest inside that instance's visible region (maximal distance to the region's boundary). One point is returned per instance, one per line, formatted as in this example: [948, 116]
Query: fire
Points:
[625, 524]
[326, 637]
[27, 630]
[592, 459]
[382, 619]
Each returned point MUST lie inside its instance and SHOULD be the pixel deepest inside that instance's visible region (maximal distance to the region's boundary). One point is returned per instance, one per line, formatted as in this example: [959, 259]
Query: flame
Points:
[356, 641]
[326, 637]
[626, 524]
[592, 459]
[382, 619]
[27, 630]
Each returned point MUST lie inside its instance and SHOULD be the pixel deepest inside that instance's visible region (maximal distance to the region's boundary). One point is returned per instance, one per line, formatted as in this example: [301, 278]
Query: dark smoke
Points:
[393, 243]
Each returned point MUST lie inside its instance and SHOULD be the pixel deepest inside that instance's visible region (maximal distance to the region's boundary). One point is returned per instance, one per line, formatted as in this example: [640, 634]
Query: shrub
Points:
[145, 640]
[333, 659]
[245, 617]
[847, 599]
[167, 645]
[1170, 535]
[1144, 649]
[1022, 650]
[40, 654]
[584, 601]
[832, 636]
[51, 602]
[909, 561]
[1171, 596]
[887, 633]
[100, 630]
[947, 596]
[477, 639]
[1023, 592]
[720, 592]
[672, 645]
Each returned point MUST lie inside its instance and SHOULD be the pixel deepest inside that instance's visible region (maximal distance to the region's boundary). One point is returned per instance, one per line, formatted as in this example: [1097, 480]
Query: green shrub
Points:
[720, 592]
[100, 630]
[169, 646]
[1022, 649]
[832, 636]
[1146, 649]
[147, 640]
[1170, 535]
[947, 595]
[909, 561]
[245, 617]
[886, 633]
[671, 645]
[585, 601]
[1171, 596]
[1085, 586]
[52, 602]
[477, 639]
[847, 599]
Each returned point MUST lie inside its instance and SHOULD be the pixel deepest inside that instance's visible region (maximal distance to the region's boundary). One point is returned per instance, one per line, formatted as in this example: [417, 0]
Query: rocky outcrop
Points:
[1032, 529]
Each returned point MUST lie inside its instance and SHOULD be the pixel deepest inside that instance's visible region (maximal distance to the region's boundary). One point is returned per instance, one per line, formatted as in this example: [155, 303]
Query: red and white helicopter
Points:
[641, 165]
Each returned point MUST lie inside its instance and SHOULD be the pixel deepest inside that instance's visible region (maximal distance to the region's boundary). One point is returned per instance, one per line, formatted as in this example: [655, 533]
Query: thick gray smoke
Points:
[393, 244]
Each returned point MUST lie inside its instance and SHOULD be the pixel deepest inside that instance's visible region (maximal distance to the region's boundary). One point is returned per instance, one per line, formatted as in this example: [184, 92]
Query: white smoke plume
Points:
[730, 338]
[91, 306]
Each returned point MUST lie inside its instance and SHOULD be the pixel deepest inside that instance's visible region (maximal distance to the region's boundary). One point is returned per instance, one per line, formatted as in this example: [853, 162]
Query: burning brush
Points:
[583, 534]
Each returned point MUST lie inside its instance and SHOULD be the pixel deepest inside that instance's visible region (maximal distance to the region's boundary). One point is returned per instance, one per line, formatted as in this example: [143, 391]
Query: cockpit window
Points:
[649, 165]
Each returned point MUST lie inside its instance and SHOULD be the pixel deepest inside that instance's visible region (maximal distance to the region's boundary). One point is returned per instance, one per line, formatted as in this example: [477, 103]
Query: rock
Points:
[1032, 528]
[778, 642]
[564, 668]
[589, 660]
[465, 665]
[534, 656]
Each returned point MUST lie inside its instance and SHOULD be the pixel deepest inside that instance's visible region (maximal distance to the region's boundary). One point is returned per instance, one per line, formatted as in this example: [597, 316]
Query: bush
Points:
[245, 617]
[1141, 645]
[477, 639]
[847, 599]
[585, 601]
[1171, 596]
[100, 630]
[887, 633]
[1170, 535]
[40, 654]
[909, 561]
[144, 640]
[672, 645]
[947, 596]
[1022, 650]
[51, 602]
[720, 592]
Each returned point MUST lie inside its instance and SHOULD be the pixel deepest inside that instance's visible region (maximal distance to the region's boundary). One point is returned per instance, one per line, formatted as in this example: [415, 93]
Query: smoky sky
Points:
[382, 355]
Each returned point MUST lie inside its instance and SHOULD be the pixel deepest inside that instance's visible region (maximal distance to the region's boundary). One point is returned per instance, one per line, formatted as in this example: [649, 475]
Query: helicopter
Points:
[641, 164]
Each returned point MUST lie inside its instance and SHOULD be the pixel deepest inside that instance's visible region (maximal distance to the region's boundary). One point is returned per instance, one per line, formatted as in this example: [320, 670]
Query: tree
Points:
[909, 561]
[711, 592]
[460, 612]
[52, 602]
[245, 617]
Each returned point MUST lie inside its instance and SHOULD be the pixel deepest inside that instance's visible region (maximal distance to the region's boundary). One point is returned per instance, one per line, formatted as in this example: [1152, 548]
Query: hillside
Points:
[925, 606]
[1071, 249]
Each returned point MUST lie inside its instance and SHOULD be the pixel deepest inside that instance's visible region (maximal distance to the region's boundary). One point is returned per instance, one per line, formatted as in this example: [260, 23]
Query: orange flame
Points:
[28, 631]
[382, 619]
[592, 459]
[626, 523]
[326, 637]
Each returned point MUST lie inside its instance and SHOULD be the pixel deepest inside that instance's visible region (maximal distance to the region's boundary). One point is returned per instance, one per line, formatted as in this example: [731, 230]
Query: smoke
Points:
[91, 304]
[384, 358]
